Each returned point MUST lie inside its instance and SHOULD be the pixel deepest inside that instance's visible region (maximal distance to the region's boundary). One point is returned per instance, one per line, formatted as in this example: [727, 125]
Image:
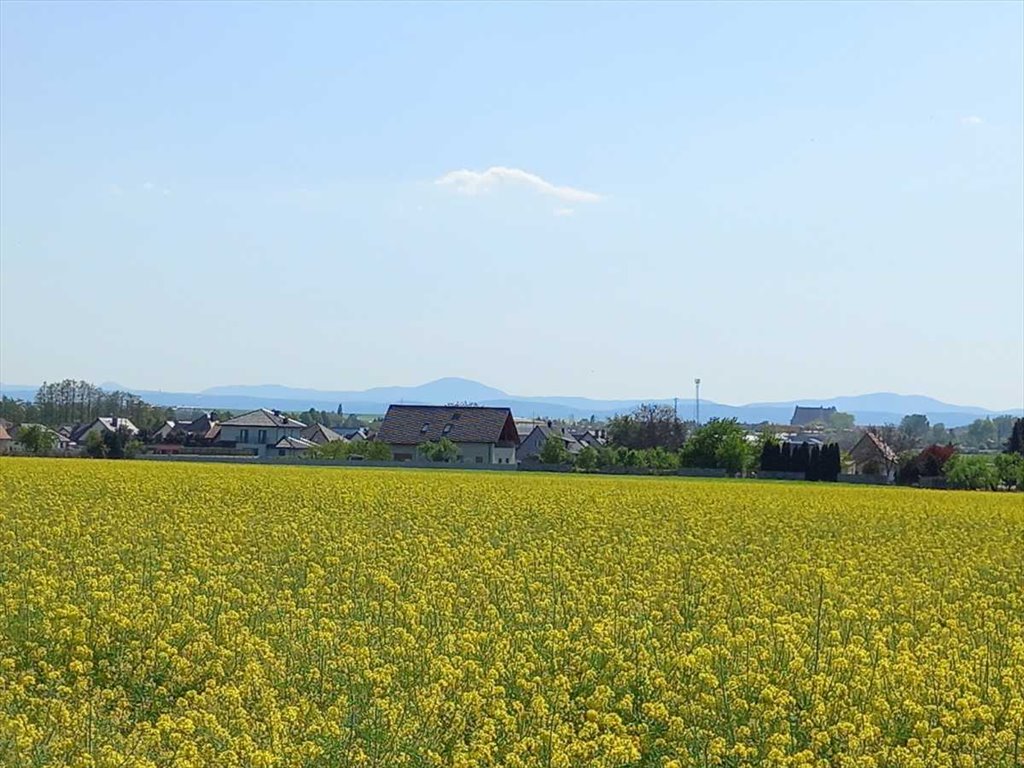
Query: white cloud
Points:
[971, 120]
[481, 182]
[564, 211]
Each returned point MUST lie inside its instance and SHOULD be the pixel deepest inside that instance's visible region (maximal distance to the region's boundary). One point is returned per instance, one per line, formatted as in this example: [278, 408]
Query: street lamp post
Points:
[697, 383]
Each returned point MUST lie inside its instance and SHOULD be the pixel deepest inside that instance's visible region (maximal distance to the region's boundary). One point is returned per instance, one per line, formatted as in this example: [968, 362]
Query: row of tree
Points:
[815, 462]
[653, 438]
[78, 402]
[915, 431]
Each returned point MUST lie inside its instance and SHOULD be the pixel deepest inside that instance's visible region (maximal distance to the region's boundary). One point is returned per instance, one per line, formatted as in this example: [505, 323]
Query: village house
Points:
[100, 425]
[353, 434]
[533, 443]
[872, 456]
[481, 435]
[320, 434]
[803, 416]
[594, 438]
[204, 428]
[260, 431]
[60, 443]
[6, 441]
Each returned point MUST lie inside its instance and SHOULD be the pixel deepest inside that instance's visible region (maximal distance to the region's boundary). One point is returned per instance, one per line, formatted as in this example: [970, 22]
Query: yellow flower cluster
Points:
[207, 615]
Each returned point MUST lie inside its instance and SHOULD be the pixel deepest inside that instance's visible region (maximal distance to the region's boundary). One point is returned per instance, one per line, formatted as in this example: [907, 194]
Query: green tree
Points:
[734, 454]
[371, 450]
[981, 433]
[840, 420]
[648, 426]
[1010, 468]
[1015, 444]
[95, 445]
[36, 439]
[916, 428]
[554, 451]
[587, 458]
[374, 450]
[444, 450]
[939, 434]
[976, 473]
[721, 443]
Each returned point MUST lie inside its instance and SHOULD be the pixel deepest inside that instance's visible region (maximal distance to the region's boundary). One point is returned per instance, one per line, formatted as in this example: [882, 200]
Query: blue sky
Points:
[790, 200]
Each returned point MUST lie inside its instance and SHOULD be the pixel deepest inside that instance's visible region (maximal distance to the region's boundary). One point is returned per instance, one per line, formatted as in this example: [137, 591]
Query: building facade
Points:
[481, 435]
[259, 431]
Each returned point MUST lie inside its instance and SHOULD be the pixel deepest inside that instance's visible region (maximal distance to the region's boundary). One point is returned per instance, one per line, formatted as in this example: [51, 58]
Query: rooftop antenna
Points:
[697, 384]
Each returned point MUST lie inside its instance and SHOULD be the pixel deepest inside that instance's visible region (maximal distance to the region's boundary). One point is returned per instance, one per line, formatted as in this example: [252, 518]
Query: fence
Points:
[294, 461]
[864, 479]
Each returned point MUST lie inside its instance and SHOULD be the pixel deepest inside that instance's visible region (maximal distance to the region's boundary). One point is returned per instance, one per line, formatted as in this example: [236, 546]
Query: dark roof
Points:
[415, 424]
[261, 417]
[807, 415]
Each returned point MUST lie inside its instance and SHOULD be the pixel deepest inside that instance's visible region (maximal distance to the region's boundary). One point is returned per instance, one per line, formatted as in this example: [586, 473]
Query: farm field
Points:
[205, 615]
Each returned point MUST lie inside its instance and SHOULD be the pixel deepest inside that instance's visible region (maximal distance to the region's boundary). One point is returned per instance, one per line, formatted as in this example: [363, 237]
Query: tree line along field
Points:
[203, 615]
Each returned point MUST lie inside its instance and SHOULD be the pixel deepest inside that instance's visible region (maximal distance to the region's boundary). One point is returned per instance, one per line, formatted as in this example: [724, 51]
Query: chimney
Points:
[550, 425]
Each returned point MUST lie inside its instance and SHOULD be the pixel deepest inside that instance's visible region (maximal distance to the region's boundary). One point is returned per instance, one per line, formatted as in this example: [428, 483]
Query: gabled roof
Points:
[3, 433]
[262, 417]
[876, 444]
[572, 443]
[59, 438]
[295, 443]
[415, 424]
[106, 423]
[319, 433]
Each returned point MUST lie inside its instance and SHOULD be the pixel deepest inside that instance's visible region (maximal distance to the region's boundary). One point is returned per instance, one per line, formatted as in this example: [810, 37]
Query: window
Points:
[280, 452]
[261, 436]
[243, 435]
[425, 427]
[479, 459]
[455, 416]
[447, 429]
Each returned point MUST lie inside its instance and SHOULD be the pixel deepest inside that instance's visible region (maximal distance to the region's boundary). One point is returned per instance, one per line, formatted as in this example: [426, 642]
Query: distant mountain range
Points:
[877, 408]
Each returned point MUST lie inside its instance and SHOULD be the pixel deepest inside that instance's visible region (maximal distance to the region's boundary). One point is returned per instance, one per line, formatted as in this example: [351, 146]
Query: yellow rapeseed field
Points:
[202, 615]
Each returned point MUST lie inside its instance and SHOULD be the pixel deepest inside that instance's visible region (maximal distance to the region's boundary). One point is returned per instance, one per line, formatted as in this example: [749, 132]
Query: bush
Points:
[587, 458]
[339, 449]
[1010, 468]
[928, 463]
[554, 451]
[976, 473]
[719, 444]
[443, 450]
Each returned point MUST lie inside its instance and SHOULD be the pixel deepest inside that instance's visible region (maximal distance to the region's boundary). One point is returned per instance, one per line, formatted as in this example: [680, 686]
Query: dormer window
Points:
[425, 427]
[447, 429]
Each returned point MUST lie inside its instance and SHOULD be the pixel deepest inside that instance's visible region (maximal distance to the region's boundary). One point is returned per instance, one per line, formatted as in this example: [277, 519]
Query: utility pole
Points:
[675, 408]
[697, 384]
